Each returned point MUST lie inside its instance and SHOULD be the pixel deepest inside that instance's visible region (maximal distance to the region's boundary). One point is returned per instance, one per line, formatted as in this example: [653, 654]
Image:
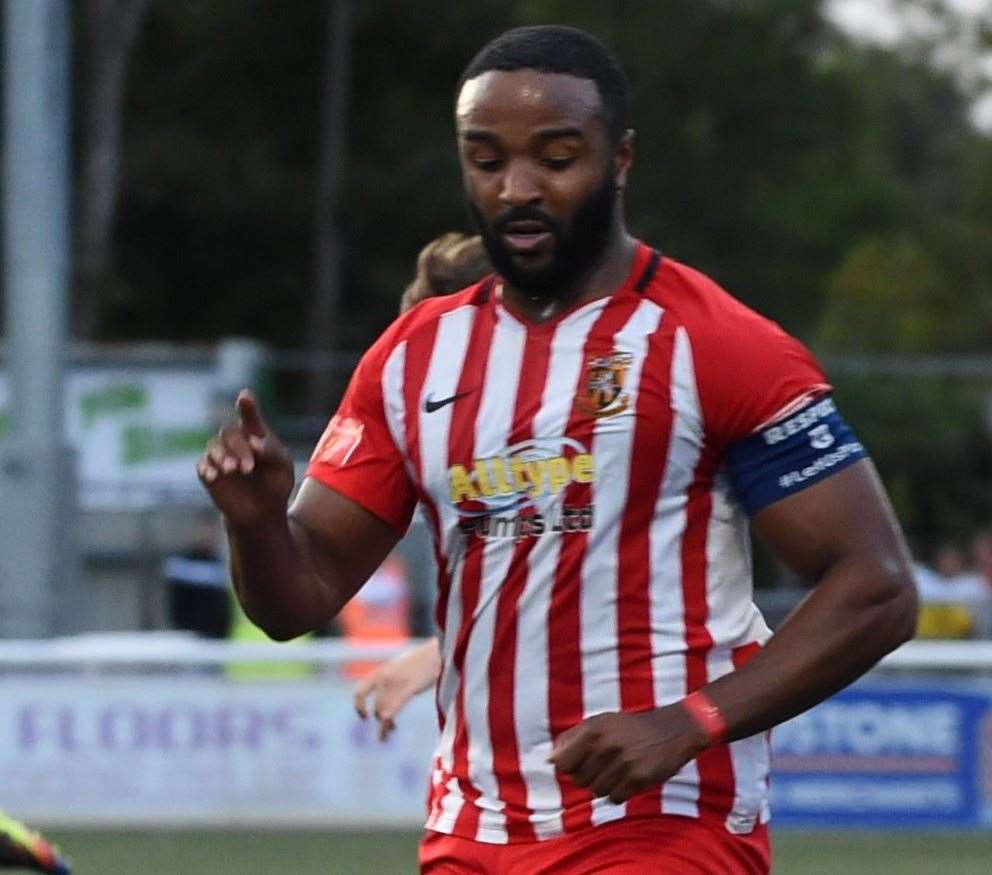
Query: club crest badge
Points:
[603, 394]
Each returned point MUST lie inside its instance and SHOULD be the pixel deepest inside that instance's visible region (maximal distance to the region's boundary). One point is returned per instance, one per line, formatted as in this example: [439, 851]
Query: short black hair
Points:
[555, 48]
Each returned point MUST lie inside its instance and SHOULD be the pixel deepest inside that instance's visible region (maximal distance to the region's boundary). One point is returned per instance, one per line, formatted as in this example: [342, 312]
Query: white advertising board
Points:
[136, 433]
[184, 749]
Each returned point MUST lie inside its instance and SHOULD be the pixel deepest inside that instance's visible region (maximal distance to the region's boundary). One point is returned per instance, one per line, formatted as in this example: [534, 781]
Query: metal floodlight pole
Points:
[34, 486]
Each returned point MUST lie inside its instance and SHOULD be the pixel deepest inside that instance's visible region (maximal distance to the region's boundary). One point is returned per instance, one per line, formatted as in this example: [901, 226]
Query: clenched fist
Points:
[246, 469]
[619, 754]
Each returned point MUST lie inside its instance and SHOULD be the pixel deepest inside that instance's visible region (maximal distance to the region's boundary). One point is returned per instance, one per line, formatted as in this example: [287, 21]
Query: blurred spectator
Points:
[447, 264]
[981, 554]
[379, 612]
[956, 599]
[197, 582]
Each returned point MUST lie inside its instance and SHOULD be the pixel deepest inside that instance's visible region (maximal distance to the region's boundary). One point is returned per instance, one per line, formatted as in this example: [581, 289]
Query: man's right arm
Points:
[292, 571]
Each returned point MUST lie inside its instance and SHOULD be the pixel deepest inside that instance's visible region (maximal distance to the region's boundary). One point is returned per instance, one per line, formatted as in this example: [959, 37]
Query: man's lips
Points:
[526, 236]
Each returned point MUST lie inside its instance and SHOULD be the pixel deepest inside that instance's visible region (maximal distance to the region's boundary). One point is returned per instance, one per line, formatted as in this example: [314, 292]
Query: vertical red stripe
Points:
[648, 461]
[419, 347]
[461, 448]
[565, 703]
[716, 772]
[503, 658]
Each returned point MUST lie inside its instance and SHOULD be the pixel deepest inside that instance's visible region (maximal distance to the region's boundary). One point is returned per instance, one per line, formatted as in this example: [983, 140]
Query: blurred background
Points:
[204, 195]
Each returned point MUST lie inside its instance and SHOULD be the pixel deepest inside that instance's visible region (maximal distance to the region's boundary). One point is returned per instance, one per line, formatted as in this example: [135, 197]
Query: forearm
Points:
[851, 619]
[292, 570]
[276, 581]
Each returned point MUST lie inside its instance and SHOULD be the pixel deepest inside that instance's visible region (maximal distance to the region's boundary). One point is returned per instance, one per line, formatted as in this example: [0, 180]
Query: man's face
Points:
[540, 175]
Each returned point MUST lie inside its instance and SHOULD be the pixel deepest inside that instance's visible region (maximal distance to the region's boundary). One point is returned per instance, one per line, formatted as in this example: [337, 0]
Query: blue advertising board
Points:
[887, 755]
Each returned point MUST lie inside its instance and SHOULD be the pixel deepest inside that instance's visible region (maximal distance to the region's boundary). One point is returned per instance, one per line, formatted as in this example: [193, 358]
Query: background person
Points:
[981, 555]
[198, 590]
[449, 263]
[379, 613]
[953, 598]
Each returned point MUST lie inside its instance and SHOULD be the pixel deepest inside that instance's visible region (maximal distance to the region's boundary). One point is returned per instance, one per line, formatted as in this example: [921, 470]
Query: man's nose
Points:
[520, 185]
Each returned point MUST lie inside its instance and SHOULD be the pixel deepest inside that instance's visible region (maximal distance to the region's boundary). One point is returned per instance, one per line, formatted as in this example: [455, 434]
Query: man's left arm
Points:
[840, 533]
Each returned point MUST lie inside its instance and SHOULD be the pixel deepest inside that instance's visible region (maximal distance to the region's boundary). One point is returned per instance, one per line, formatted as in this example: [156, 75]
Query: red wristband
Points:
[707, 715]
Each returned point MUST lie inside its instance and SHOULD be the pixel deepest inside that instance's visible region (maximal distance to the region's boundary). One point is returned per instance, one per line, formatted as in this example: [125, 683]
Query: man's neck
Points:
[603, 280]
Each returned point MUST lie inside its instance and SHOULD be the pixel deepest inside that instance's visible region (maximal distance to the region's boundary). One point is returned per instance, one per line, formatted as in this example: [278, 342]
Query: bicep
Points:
[846, 516]
[341, 539]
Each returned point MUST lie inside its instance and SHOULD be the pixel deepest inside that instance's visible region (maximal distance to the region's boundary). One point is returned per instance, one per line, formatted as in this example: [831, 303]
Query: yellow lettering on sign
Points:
[461, 484]
[583, 468]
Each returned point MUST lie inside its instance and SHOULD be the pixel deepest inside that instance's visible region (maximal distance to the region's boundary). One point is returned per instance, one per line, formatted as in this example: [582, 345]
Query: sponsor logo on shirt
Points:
[515, 493]
[432, 405]
[602, 394]
[522, 473]
[530, 525]
[800, 422]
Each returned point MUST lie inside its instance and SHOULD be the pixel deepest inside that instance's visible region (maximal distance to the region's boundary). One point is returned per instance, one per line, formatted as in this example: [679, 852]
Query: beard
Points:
[578, 246]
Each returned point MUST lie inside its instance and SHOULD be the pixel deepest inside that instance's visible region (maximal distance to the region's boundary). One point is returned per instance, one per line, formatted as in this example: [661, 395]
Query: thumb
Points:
[250, 414]
[568, 749]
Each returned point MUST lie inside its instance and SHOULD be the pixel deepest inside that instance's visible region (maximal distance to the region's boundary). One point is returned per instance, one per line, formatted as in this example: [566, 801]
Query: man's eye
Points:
[487, 163]
[558, 163]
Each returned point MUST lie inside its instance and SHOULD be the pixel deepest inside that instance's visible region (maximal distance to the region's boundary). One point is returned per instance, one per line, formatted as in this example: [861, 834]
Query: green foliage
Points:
[221, 138]
[769, 148]
[889, 296]
[928, 437]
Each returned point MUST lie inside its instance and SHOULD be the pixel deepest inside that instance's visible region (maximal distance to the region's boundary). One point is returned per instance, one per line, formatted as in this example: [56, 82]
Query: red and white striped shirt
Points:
[592, 555]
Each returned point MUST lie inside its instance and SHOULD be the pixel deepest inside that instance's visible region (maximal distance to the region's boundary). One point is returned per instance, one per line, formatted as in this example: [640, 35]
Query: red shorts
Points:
[662, 845]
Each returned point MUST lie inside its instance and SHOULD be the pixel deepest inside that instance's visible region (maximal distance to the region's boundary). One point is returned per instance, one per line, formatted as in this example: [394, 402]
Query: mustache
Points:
[525, 214]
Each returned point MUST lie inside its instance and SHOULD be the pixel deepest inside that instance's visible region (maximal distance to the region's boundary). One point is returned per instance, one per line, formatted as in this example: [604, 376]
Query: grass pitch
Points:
[332, 853]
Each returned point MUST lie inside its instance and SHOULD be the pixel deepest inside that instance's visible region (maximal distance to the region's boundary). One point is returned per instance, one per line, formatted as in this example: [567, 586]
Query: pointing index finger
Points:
[250, 414]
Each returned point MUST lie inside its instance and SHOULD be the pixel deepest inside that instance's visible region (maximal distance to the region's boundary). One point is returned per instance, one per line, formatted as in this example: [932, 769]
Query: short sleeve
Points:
[767, 411]
[357, 455]
[751, 373]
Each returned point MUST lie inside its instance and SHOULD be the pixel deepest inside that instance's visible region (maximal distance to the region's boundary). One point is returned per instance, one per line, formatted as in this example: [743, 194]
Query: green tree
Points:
[889, 296]
[769, 149]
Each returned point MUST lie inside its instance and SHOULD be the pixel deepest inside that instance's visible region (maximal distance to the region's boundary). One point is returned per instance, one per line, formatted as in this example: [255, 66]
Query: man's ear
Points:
[623, 158]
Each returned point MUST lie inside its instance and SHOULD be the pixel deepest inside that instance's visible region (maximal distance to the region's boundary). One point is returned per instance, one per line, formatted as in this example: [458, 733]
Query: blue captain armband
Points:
[791, 454]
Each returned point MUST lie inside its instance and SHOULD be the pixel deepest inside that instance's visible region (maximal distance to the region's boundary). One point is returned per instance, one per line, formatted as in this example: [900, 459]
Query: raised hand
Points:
[246, 469]
[619, 754]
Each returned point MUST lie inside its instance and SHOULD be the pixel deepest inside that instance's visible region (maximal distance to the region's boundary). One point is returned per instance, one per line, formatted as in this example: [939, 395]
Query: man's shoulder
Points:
[711, 316]
[695, 299]
[749, 370]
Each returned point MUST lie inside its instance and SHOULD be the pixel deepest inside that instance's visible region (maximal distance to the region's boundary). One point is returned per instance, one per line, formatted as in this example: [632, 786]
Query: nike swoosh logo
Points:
[430, 406]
